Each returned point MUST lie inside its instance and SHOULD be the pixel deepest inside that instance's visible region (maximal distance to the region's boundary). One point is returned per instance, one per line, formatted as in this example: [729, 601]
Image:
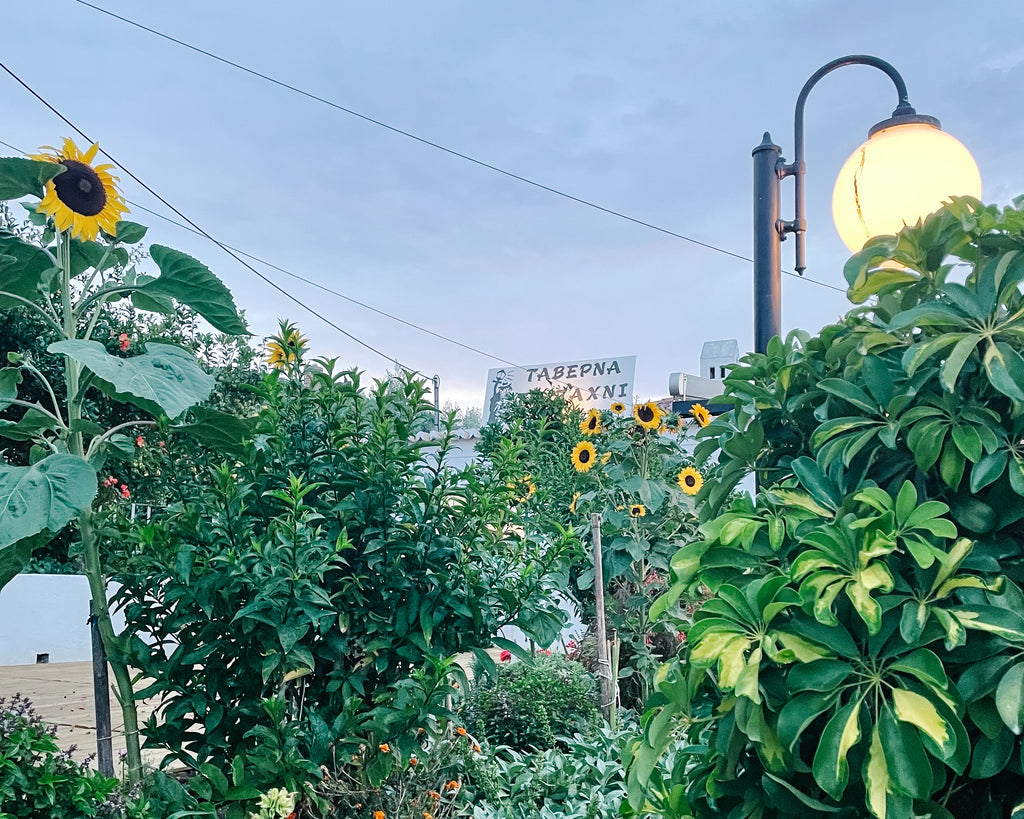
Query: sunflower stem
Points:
[90, 541]
[46, 317]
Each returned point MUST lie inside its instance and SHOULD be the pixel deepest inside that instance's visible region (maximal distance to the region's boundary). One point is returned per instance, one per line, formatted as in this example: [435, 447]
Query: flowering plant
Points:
[65, 277]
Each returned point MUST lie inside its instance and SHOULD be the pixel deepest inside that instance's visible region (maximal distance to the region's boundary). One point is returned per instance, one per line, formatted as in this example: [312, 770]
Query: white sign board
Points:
[591, 383]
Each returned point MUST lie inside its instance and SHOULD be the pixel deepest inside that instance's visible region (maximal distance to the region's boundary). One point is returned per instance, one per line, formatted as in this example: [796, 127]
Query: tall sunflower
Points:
[84, 198]
[584, 455]
[287, 347]
[648, 415]
[690, 480]
[591, 425]
[618, 407]
[700, 414]
[637, 510]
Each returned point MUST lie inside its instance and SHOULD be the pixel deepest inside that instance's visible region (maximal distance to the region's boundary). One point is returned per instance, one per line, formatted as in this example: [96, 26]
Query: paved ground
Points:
[62, 693]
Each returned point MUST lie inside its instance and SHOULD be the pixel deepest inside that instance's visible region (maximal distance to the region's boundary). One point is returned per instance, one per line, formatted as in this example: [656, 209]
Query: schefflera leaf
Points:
[164, 380]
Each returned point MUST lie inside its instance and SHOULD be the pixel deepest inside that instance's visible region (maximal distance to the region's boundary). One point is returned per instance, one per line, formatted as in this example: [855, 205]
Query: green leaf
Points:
[15, 556]
[919, 711]
[25, 177]
[166, 379]
[816, 482]
[219, 430]
[968, 441]
[905, 757]
[10, 378]
[949, 372]
[1005, 369]
[850, 393]
[28, 426]
[190, 282]
[830, 767]
[1010, 698]
[129, 232]
[43, 497]
[990, 756]
[25, 270]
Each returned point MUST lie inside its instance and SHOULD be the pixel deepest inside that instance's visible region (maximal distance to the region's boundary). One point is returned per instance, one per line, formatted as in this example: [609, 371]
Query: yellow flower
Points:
[605, 458]
[584, 456]
[83, 198]
[701, 414]
[618, 407]
[591, 425]
[572, 506]
[637, 510]
[690, 480]
[647, 415]
[287, 347]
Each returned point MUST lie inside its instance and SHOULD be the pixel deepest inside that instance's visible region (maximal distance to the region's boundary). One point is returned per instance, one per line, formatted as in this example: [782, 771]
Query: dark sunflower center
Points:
[645, 414]
[689, 480]
[584, 456]
[592, 423]
[80, 188]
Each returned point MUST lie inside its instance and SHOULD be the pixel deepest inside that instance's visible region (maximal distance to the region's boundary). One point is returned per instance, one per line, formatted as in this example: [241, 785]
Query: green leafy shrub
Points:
[305, 600]
[37, 779]
[530, 703]
[862, 650]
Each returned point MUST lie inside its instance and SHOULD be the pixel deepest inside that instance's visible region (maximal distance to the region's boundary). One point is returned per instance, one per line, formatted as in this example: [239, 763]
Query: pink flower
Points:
[571, 644]
[140, 441]
[123, 341]
[505, 655]
[161, 444]
[124, 492]
[680, 636]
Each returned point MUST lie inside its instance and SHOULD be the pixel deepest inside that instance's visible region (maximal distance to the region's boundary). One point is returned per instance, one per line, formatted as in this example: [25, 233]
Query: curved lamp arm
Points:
[903, 114]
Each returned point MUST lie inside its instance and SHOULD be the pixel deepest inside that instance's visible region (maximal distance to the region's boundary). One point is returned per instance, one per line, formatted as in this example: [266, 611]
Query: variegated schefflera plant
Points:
[66, 272]
[863, 649]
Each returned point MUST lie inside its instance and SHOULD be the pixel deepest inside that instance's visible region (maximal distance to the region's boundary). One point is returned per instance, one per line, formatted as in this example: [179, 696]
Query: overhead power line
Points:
[436, 145]
[203, 233]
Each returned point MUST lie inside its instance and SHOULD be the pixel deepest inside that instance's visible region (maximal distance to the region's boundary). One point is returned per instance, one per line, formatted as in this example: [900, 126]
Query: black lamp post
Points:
[927, 155]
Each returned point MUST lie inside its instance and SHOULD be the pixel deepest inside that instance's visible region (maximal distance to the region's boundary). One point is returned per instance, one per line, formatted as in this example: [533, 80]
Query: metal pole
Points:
[767, 244]
[437, 402]
[101, 700]
[604, 662]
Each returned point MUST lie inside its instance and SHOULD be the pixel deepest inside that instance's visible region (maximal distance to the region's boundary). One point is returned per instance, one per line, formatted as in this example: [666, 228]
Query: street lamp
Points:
[904, 171]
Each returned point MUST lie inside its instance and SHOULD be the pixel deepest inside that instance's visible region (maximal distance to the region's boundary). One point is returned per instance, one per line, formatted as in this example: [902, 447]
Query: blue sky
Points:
[647, 108]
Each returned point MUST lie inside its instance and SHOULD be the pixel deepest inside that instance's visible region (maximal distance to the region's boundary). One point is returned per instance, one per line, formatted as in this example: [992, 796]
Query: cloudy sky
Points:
[650, 109]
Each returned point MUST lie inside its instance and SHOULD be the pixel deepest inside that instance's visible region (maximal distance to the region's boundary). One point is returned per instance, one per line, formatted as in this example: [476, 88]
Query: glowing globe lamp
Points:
[904, 171]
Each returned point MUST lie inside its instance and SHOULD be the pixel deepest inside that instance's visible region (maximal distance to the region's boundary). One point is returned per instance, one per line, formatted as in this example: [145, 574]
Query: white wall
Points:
[46, 614]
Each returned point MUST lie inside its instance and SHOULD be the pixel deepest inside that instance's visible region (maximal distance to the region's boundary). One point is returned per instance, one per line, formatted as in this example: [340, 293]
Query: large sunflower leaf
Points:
[190, 282]
[15, 557]
[166, 379]
[43, 497]
[25, 270]
[25, 177]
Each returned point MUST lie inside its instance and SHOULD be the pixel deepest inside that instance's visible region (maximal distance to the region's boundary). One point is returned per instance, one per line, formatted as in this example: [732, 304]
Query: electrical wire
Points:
[203, 233]
[312, 283]
[438, 146]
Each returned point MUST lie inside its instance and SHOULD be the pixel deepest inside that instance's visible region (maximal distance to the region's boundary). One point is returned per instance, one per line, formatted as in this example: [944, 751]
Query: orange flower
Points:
[453, 785]
[384, 748]
[434, 795]
[413, 761]
[476, 748]
[378, 814]
[460, 731]
[428, 815]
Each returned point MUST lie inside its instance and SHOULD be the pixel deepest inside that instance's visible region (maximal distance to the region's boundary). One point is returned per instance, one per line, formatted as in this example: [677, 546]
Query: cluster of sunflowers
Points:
[649, 419]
